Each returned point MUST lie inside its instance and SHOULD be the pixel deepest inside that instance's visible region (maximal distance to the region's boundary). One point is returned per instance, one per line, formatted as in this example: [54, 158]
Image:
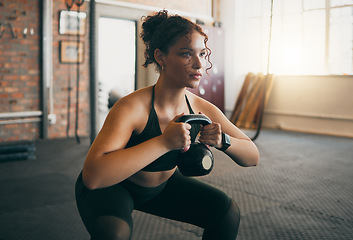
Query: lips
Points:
[196, 75]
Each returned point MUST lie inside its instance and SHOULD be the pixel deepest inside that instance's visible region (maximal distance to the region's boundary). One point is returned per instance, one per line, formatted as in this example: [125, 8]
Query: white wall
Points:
[233, 75]
[314, 104]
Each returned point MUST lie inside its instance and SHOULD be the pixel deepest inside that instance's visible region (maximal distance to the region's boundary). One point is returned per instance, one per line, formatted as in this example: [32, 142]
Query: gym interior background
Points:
[311, 58]
[34, 79]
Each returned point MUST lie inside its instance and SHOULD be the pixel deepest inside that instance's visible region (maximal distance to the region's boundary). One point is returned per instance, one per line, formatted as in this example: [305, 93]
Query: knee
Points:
[111, 228]
[119, 235]
[227, 226]
[234, 213]
[231, 218]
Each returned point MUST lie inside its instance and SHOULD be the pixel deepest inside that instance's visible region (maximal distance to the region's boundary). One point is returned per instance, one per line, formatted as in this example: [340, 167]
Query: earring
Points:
[162, 67]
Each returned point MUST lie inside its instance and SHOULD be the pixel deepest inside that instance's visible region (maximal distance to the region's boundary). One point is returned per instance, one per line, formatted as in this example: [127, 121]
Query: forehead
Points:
[193, 40]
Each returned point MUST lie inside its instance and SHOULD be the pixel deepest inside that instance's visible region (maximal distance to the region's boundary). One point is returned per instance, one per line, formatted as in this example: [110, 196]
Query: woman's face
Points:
[186, 61]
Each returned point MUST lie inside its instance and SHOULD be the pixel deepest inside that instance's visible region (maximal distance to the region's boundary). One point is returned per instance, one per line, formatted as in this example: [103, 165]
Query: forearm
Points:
[243, 151]
[103, 170]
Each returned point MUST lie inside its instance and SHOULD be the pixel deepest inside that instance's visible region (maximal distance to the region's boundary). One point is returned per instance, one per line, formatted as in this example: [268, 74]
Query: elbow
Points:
[255, 159]
[252, 163]
[90, 186]
[93, 181]
[247, 162]
[90, 175]
[256, 162]
[252, 160]
[254, 156]
[89, 181]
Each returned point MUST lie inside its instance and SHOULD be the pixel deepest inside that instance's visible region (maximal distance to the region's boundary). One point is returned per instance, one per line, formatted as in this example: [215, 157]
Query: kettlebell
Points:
[198, 159]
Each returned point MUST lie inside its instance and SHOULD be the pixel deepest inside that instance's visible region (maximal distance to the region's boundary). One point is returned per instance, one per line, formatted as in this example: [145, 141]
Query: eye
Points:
[185, 54]
[203, 54]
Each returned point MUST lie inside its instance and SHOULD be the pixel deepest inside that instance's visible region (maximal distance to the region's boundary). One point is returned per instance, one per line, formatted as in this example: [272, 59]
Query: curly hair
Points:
[161, 31]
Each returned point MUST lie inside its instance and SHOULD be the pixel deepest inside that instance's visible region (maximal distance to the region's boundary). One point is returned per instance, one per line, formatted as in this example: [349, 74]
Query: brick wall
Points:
[19, 67]
[65, 71]
[20, 83]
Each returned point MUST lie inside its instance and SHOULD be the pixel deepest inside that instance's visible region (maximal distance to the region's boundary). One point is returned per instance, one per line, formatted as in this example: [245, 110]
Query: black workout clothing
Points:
[152, 129]
[180, 198]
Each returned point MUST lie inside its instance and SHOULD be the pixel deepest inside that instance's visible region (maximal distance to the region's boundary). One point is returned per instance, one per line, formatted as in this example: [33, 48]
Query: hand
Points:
[211, 135]
[177, 135]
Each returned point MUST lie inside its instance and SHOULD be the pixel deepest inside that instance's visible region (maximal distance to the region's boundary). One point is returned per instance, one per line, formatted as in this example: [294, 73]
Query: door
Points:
[116, 62]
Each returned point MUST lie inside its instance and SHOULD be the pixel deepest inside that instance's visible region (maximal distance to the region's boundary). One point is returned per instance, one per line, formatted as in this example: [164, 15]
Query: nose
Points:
[198, 62]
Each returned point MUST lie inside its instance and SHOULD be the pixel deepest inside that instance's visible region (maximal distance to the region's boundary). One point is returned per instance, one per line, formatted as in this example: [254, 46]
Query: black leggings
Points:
[106, 212]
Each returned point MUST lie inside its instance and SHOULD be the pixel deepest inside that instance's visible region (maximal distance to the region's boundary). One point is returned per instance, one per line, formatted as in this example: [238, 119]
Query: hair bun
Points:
[161, 31]
[152, 23]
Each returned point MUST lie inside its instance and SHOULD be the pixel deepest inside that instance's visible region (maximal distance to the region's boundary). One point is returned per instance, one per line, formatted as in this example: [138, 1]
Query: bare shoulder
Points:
[137, 99]
[201, 105]
[133, 108]
[129, 115]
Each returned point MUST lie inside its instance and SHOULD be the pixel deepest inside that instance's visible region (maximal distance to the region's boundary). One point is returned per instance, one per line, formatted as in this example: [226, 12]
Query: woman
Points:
[132, 162]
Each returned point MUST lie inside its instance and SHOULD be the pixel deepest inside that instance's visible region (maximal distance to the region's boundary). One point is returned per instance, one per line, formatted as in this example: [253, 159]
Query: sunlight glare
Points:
[291, 56]
[287, 61]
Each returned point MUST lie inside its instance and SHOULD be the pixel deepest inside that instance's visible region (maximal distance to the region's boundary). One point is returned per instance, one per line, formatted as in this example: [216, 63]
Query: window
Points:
[313, 37]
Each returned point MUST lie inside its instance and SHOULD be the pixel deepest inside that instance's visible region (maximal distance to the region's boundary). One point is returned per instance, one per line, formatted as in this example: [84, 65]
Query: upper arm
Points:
[118, 127]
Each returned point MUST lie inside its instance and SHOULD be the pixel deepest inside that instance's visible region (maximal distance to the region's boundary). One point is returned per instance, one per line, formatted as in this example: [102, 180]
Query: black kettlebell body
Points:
[198, 160]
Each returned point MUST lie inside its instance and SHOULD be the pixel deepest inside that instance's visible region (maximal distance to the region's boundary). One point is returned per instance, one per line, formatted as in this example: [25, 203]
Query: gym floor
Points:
[302, 189]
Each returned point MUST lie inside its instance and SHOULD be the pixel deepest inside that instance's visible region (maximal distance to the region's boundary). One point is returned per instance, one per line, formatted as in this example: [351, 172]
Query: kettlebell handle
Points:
[195, 119]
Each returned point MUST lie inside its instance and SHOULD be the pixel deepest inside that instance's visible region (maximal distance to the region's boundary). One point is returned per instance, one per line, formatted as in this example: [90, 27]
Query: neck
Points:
[169, 97]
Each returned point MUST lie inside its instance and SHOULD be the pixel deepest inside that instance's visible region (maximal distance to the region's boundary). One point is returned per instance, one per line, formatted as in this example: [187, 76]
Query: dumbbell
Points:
[198, 160]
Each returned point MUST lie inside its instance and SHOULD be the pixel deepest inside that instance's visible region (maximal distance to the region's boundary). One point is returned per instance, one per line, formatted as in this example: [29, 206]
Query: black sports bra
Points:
[152, 129]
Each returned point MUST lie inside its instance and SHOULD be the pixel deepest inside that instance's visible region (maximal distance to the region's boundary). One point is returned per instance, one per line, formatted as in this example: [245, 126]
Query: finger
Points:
[187, 143]
[211, 138]
[213, 128]
[185, 149]
[177, 117]
[187, 126]
[214, 131]
[208, 142]
[208, 127]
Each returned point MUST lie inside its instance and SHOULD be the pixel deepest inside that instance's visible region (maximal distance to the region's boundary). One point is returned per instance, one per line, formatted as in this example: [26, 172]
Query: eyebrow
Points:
[187, 48]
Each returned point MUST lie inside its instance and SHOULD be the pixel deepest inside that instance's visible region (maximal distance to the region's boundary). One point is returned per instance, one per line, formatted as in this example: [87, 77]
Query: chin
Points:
[193, 84]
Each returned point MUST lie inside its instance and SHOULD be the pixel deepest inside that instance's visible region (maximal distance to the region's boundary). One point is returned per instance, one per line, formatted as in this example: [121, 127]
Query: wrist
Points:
[164, 144]
[225, 142]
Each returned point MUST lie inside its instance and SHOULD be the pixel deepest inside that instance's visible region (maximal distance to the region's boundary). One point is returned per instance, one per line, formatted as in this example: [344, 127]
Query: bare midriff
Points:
[151, 179]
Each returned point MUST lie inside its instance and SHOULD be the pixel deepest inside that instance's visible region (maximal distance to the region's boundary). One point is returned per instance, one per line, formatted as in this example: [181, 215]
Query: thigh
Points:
[189, 200]
[113, 201]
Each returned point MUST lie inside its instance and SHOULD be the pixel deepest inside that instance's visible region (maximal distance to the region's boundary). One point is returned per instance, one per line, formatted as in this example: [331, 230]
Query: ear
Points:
[159, 56]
